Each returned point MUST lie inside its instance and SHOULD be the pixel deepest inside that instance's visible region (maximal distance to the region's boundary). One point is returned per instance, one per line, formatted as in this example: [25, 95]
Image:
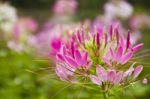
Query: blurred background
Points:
[26, 73]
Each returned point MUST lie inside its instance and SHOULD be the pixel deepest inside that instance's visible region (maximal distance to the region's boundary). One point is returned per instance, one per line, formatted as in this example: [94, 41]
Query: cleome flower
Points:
[103, 56]
[104, 76]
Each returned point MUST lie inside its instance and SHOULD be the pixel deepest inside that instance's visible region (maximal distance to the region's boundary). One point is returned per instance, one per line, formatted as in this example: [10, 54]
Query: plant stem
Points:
[104, 94]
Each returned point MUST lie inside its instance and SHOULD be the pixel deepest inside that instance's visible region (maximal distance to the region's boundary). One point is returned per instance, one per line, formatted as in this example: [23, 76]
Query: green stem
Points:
[104, 91]
[104, 94]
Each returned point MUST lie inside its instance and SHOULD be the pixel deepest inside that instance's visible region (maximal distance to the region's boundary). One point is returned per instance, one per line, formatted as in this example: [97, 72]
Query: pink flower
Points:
[120, 57]
[104, 52]
[139, 21]
[104, 76]
[65, 7]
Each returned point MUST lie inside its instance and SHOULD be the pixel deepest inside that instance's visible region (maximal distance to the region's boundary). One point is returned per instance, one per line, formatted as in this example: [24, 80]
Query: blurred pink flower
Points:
[117, 9]
[65, 7]
[139, 21]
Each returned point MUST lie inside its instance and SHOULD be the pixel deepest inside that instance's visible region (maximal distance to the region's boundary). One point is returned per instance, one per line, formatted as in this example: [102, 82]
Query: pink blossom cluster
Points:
[104, 57]
[22, 34]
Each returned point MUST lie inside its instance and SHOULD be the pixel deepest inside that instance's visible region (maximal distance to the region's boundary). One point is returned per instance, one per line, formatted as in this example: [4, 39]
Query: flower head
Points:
[103, 56]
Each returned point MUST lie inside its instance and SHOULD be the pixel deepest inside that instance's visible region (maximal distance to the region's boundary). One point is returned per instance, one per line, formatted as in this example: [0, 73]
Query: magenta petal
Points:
[119, 53]
[102, 74]
[95, 80]
[98, 40]
[128, 43]
[63, 49]
[111, 31]
[85, 57]
[60, 57]
[100, 31]
[71, 61]
[118, 77]
[111, 75]
[137, 71]
[137, 47]
[72, 48]
[106, 61]
[56, 44]
[78, 58]
[79, 37]
[126, 57]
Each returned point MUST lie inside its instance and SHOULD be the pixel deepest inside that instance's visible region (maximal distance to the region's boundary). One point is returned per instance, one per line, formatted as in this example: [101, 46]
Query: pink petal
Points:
[122, 41]
[79, 37]
[63, 49]
[117, 34]
[100, 31]
[56, 44]
[128, 72]
[102, 74]
[106, 61]
[112, 53]
[137, 71]
[89, 64]
[60, 57]
[119, 53]
[128, 43]
[111, 75]
[137, 47]
[61, 72]
[72, 48]
[111, 31]
[98, 40]
[78, 58]
[84, 59]
[126, 57]
[95, 80]
[71, 61]
[118, 77]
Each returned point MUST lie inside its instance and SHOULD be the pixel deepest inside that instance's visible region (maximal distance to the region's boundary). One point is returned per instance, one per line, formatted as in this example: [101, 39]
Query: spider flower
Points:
[139, 22]
[104, 57]
[65, 7]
